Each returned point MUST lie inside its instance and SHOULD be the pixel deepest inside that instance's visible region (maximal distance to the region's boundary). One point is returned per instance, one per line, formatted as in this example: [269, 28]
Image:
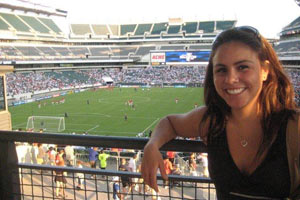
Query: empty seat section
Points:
[75, 77]
[47, 51]
[212, 36]
[35, 24]
[127, 28]
[114, 29]
[288, 46]
[200, 47]
[158, 28]
[294, 23]
[207, 27]
[224, 25]
[144, 50]
[99, 51]
[142, 28]
[81, 29]
[3, 25]
[190, 27]
[173, 29]
[51, 24]
[172, 47]
[62, 51]
[10, 51]
[15, 22]
[123, 51]
[29, 51]
[79, 51]
[100, 29]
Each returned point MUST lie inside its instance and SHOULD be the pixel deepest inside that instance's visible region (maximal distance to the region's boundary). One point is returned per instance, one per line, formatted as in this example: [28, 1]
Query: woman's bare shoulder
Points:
[196, 113]
[202, 125]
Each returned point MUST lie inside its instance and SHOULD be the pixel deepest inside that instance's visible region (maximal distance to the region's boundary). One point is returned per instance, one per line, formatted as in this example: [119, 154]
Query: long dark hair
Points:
[276, 100]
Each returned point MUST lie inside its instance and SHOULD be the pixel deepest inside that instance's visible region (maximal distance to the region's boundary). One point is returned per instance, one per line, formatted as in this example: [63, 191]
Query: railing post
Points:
[10, 182]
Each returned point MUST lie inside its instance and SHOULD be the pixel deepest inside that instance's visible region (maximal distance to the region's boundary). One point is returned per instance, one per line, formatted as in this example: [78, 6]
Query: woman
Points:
[248, 101]
[60, 178]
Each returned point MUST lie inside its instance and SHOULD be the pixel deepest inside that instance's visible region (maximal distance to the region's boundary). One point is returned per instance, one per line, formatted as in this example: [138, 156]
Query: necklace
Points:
[244, 142]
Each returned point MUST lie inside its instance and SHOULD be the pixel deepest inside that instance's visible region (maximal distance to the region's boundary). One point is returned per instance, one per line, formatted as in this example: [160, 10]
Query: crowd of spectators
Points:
[29, 82]
[294, 75]
[159, 75]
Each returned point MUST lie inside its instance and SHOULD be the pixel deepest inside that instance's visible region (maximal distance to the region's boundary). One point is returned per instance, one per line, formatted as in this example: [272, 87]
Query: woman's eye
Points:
[242, 67]
[221, 70]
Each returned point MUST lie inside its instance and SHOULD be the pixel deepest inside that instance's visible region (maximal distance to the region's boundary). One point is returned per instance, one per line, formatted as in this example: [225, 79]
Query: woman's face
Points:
[238, 75]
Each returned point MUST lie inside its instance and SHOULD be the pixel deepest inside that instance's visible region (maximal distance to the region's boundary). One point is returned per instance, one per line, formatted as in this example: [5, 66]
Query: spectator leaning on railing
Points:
[249, 101]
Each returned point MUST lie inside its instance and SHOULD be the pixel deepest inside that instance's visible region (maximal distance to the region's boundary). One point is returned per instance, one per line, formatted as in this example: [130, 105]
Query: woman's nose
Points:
[232, 77]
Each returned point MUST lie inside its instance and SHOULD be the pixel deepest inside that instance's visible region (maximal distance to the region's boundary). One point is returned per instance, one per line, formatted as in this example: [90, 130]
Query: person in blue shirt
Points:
[116, 188]
[93, 154]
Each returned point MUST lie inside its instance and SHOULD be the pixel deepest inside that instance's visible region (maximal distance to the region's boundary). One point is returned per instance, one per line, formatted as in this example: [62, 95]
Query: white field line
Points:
[17, 125]
[151, 125]
[92, 128]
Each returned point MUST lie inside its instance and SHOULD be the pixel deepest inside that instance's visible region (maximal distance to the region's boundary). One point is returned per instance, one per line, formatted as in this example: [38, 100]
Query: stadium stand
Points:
[207, 27]
[200, 47]
[173, 29]
[127, 29]
[46, 30]
[114, 29]
[47, 51]
[29, 51]
[26, 26]
[142, 28]
[52, 25]
[223, 25]
[79, 51]
[100, 51]
[190, 27]
[29, 82]
[3, 25]
[100, 29]
[35, 24]
[123, 51]
[10, 51]
[158, 28]
[288, 46]
[81, 29]
[173, 47]
[144, 50]
[15, 22]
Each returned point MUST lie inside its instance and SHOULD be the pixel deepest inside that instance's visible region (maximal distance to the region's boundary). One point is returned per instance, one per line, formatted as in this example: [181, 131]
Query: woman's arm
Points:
[169, 127]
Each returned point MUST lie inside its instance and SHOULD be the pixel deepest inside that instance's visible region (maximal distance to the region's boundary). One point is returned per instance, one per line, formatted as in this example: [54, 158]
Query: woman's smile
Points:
[235, 91]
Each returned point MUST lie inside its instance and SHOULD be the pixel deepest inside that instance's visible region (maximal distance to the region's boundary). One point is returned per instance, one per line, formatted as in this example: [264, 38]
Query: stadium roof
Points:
[28, 6]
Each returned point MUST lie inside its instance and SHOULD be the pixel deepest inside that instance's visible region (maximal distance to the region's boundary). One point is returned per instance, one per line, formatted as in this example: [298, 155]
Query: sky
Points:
[268, 16]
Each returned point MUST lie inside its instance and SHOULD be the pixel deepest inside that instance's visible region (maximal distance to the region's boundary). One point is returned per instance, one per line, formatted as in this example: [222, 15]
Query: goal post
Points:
[46, 123]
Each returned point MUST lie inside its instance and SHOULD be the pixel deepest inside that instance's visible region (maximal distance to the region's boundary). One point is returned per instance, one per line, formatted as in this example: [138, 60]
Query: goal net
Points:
[46, 123]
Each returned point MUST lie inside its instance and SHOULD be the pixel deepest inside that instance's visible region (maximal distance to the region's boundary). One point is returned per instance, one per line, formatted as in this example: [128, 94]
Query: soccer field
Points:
[105, 113]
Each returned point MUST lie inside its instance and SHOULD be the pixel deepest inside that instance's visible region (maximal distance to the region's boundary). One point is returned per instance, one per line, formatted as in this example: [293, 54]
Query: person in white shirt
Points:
[132, 163]
[70, 156]
[132, 168]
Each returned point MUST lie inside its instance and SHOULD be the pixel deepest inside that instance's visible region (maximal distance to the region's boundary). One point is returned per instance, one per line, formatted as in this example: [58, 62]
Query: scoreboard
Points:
[179, 57]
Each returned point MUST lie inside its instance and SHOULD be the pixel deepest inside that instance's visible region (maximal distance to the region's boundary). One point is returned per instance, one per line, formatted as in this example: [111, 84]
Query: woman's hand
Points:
[152, 160]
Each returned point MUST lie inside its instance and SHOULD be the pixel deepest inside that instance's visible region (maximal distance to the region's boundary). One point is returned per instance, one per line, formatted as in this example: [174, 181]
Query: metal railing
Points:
[32, 181]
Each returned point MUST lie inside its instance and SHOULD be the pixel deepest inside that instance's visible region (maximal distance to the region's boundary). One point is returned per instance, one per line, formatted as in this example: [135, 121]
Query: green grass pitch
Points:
[104, 115]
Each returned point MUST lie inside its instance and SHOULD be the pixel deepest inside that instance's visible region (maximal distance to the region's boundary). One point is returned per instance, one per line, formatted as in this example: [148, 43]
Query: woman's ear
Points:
[265, 70]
